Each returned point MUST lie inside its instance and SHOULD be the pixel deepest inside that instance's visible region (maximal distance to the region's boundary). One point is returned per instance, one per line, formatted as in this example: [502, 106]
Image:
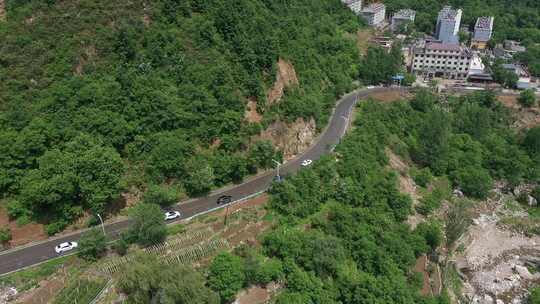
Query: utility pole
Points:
[278, 164]
[102, 225]
[226, 215]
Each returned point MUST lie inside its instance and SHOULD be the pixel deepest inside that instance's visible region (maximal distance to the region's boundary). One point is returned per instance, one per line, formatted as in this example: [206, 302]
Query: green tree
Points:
[474, 181]
[162, 195]
[534, 297]
[200, 177]
[433, 140]
[532, 140]
[431, 232]
[147, 224]
[226, 275]
[527, 98]
[148, 280]
[92, 245]
[5, 235]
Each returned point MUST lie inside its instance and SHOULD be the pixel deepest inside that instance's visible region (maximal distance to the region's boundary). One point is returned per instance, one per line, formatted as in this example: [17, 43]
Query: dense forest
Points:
[340, 233]
[97, 96]
[341, 236]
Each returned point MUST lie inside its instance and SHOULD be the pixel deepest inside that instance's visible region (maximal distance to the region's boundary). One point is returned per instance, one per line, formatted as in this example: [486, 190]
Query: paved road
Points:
[29, 255]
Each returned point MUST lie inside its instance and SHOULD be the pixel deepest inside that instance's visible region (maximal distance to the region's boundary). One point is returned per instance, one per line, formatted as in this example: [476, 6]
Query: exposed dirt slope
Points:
[285, 77]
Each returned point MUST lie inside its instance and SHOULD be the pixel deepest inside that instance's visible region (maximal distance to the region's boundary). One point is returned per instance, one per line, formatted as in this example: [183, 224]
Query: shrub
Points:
[5, 235]
[422, 177]
[93, 244]
[161, 195]
[527, 98]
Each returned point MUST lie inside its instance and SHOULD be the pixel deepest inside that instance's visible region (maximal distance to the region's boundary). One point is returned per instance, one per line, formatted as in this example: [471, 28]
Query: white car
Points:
[306, 162]
[66, 246]
[370, 87]
[171, 215]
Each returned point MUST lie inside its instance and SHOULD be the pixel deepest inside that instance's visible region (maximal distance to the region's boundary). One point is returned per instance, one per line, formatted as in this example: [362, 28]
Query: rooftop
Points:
[374, 8]
[448, 13]
[405, 13]
[442, 46]
[484, 23]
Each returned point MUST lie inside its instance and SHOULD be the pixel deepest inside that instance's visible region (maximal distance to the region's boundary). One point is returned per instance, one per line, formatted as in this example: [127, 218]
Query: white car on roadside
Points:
[66, 246]
[171, 215]
[306, 162]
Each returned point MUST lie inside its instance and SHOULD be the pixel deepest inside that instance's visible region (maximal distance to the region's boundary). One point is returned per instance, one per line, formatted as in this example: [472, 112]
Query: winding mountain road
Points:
[31, 254]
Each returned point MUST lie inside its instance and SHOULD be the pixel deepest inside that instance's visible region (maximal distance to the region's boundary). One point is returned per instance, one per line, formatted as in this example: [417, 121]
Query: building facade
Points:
[436, 59]
[374, 14]
[402, 17]
[354, 5]
[448, 22]
[483, 30]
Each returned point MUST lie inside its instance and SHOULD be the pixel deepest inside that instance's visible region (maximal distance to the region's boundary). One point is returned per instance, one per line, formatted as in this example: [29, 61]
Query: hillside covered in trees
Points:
[97, 96]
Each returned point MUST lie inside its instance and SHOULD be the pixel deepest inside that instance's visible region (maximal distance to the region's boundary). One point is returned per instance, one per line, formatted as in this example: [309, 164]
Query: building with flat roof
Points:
[402, 17]
[436, 59]
[354, 5]
[374, 14]
[448, 22]
[483, 30]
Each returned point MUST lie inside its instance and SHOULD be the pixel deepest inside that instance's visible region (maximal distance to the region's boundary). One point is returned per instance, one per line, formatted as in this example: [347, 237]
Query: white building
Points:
[374, 14]
[436, 59]
[483, 30]
[448, 23]
[403, 16]
[354, 5]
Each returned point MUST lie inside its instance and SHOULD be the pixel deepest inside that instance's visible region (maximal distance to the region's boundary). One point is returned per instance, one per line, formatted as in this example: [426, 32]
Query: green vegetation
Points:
[147, 225]
[527, 98]
[534, 297]
[378, 66]
[226, 276]
[147, 280]
[83, 290]
[5, 235]
[92, 245]
[29, 278]
[97, 96]
[161, 195]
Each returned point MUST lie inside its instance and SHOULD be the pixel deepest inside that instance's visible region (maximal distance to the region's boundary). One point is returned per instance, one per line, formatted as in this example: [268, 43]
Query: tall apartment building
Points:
[436, 59]
[403, 16]
[354, 5]
[448, 25]
[374, 14]
[483, 29]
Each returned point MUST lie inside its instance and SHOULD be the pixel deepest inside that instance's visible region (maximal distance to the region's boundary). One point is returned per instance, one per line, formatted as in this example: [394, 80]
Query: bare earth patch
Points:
[390, 96]
[362, 40]
[285, 77]
[406, 184]
[251, 112]
[526, 118]
[21, 234]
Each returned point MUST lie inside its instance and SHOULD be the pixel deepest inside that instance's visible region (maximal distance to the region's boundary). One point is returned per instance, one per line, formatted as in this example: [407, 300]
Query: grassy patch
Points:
[81, 290]
[29, 278]
[175, 229]
[526, 225]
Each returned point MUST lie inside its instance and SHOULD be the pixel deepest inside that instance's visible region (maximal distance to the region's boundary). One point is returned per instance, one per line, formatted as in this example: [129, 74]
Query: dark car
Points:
[224, 199]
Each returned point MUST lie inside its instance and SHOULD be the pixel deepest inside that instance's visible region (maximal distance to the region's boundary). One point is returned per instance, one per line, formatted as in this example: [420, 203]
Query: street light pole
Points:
[102, 225]
[278, 164]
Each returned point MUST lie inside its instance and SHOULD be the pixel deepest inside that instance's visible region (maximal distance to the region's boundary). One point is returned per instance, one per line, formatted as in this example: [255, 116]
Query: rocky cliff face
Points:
[293, 138]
